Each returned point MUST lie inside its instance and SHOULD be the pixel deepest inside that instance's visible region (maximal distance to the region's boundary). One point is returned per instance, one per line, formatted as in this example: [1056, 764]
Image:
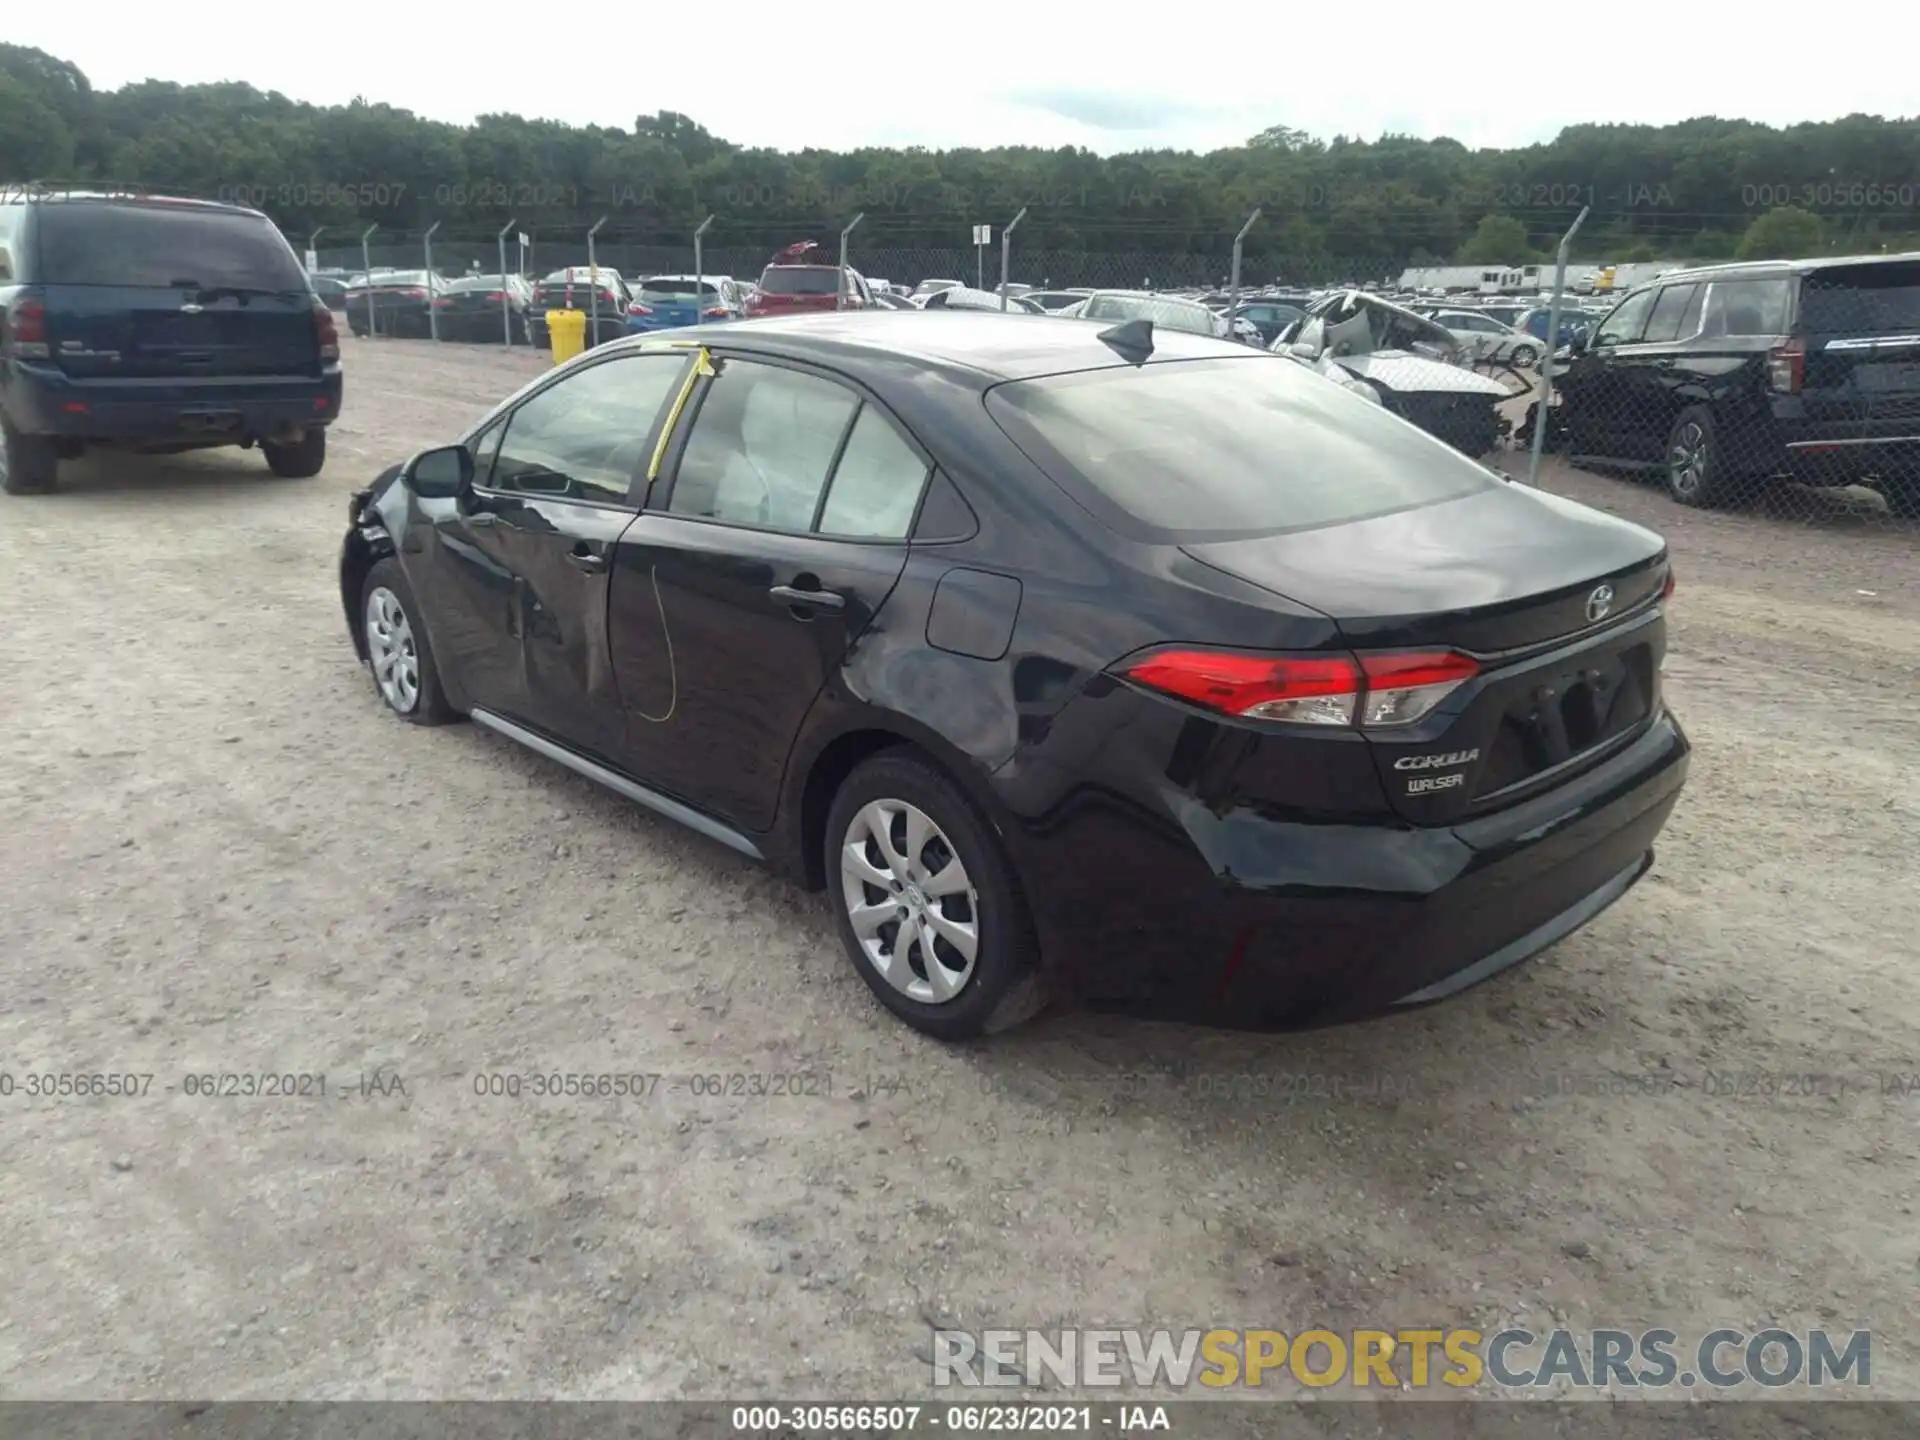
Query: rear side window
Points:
[1217, 449]
[154, 247]
[877, 483]
[9, 227]
[1849, 299]
[762, 446]
[800, 280]
[1746, 307]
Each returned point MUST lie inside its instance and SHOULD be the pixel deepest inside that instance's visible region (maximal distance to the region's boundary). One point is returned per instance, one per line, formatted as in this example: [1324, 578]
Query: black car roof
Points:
[1759, 269]
[990, 347]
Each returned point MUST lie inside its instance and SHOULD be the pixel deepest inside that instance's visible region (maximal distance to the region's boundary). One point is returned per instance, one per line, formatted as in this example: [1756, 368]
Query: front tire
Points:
[29, 464]
[927, 903]
[1523, 357]
[398, 653]
[301, 461]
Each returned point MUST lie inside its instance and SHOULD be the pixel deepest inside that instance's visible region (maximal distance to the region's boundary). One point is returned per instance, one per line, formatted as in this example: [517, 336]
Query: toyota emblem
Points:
[1599, 603]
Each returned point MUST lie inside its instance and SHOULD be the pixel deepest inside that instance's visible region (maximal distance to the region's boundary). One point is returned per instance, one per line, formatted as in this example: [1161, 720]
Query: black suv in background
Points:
[156, 325]
[1726, 376]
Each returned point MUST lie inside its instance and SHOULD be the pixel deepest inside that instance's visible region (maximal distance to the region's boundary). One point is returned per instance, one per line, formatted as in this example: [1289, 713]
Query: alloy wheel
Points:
[1687, 459]
[391, 650]
[915, 912]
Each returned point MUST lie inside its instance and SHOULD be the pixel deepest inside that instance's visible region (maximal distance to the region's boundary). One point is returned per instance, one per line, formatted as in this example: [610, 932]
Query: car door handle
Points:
[813, 599]
[588, 558]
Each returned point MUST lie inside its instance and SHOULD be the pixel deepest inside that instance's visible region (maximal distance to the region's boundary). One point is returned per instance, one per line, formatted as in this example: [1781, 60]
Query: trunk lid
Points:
[1559, 605]
[796, 289]
[169, 288]
[1860, 325]
[124, 331]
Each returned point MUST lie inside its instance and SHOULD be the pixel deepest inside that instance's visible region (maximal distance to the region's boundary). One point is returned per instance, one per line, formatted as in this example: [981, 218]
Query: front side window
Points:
[1624, 325]
[1670, 309]
[585, 437]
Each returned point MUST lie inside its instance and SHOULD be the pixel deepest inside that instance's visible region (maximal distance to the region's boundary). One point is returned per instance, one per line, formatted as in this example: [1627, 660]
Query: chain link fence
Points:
[1789, 389]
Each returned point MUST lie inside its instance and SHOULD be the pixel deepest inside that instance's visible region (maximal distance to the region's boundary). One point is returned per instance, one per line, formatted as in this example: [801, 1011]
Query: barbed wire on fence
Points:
[1693, 387]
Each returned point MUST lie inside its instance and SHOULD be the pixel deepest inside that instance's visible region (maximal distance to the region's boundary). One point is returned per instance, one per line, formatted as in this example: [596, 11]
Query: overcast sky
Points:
[1107, 77]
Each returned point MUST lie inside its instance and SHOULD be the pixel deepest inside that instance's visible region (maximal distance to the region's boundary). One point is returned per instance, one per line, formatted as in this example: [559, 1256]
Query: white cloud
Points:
[872, 73]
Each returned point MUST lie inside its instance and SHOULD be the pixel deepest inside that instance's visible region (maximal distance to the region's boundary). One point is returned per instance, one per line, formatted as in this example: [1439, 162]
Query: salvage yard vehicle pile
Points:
[225, 859]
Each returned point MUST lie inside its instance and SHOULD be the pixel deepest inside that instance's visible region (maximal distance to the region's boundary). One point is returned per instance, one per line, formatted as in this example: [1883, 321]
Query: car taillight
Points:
[1787, 366]
[718, 312]
[326, 335]
[636, 308]
[1404, 688]
[441, 302]
[1373, 691]
[26, 332]
[497, 298]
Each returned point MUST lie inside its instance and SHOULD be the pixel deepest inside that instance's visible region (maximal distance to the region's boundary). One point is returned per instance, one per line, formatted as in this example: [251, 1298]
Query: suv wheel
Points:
[29, 464]
[397, 650]
[299, 461]
[1696, 472]
[1523, 357]
[926, 902]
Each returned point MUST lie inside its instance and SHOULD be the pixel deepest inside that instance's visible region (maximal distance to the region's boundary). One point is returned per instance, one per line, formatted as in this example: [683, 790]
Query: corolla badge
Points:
[1600, 603]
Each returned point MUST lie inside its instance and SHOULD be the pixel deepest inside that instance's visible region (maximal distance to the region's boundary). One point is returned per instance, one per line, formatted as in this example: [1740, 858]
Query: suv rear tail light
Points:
[717, 312]
[636, 308]
[326, 335]
[1375, 691]
[1787, 366]
[441, 302]
[498, 297]
[26, 330]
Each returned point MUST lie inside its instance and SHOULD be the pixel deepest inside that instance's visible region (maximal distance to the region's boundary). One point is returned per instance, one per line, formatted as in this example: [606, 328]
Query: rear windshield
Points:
[154, 247]
[1195, 319]
[1861, 299]
[671, 287]
[1218, 449]
[800, 280]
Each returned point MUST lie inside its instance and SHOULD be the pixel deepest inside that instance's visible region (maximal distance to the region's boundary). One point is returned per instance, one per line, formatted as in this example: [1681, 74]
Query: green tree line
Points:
[1691, 190]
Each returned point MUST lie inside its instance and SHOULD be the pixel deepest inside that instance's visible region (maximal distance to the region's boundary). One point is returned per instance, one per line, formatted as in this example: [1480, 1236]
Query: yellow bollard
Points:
[567, 332]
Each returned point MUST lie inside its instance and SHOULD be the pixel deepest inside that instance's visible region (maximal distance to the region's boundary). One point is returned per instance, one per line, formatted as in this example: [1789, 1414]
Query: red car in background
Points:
[803, 278]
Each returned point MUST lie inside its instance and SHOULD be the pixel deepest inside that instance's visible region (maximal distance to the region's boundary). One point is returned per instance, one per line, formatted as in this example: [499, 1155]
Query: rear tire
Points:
[301, 461]
[1696, 466]
[29, 464]
[1523, 357]
[957, 883]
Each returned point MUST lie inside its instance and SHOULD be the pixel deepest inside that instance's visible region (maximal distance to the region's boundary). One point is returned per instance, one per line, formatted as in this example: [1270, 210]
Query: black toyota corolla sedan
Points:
[1129, 666]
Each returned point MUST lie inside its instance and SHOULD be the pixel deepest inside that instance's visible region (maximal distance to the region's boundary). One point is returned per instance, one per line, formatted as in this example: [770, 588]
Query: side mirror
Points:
[1578, 344]
[442, 474]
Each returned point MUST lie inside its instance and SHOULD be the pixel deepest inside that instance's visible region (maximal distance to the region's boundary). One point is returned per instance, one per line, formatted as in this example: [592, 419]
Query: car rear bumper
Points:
[216, 409]
[1272, 924]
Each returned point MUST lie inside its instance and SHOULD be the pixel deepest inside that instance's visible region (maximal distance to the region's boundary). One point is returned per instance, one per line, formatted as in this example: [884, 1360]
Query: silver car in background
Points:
[1486, 338]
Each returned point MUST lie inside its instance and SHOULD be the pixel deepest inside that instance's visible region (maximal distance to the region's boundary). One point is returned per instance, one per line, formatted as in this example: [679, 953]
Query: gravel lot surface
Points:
[221, 856]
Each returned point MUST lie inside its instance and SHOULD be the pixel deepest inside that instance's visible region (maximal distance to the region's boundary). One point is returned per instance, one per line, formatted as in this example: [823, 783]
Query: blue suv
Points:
[155, 325]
